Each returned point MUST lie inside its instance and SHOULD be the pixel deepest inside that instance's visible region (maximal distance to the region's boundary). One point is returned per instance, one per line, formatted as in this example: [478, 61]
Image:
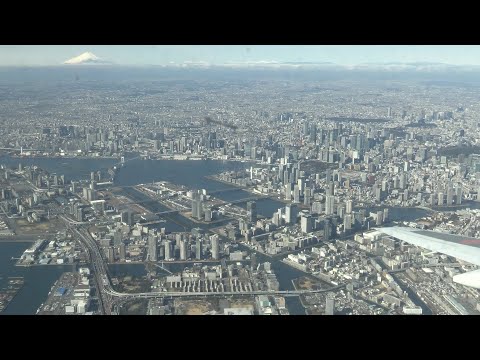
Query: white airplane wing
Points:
[460, 247]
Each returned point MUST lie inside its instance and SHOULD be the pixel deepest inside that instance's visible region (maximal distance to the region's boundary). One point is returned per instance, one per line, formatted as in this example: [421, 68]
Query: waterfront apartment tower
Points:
[252, 211]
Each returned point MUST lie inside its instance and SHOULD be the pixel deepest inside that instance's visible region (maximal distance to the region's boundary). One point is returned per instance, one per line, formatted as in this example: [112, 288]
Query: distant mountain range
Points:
[90, 58]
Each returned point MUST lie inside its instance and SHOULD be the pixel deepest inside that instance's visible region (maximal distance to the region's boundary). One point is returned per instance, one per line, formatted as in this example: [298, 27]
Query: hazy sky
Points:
[220, 54]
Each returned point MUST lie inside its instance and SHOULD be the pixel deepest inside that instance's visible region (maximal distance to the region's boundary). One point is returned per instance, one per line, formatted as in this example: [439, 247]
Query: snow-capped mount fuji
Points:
[86, 58]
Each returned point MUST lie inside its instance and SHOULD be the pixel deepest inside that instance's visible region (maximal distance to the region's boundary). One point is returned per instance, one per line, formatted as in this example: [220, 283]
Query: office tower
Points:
[152, 247]
[198, 249]
[111, 254]
[288, 194]
[197, 206]
[449, 196]
[183, 250]
[327, 230]
[440, 198]
[129, 219]
[330, 304]
[307, 196]
[168, 250]
[329, 204]
[301, 185]
[291, 214]
[253, 154]
[459, 194]
[123, 253]
[389, 111]
[276, 219]
[347, 222]
[208, 215]
[296, 194]
[74, 188]
[306, 224]
[305, 128]
[194, 204]
[316, 207]
[79, 214]
[215, 246]
[385, 214]
[331, 188]
[384, 185]
[252, 211]
[313, 133]
[378, 194]
[349, 206]
[379, 218]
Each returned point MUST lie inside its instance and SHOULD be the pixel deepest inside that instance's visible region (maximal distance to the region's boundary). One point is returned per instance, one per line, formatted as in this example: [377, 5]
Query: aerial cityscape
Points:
[258, 188]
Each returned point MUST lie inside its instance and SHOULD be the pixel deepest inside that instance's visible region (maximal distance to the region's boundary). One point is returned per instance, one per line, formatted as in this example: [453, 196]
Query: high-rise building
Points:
[347, 222]
[306, 224]
[403, 180]
[349, 206]
[307, 196]
[80, 214]
[197, 206]
[111, 254]
[296, 194]
[378, 194]
[252, 211]
[122, 252]
[288, 194]
[183, 250]
[198, 249]
[316, 207]
[215, 246]
[329, 204]
[385, 214]
[152, 247]
[291, 213]
[313, 133]
[379, 218]
[449, 196]
[440, 198]
[327, 230]
[459, 194]
[330, 304]
[117, 237]
[168, 250]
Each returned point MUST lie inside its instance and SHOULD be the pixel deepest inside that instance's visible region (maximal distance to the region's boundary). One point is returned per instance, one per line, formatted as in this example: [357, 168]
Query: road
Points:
[98, 264]
[150, 295]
